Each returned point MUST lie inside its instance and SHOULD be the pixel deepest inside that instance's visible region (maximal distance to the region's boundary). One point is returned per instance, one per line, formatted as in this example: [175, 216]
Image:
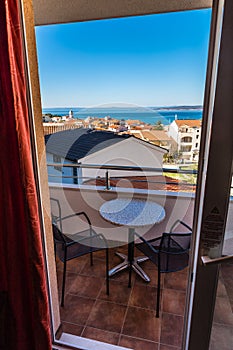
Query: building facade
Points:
[187, 135]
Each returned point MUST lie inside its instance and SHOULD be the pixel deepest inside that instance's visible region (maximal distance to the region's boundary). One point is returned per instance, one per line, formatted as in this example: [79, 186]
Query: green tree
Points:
[158, 125]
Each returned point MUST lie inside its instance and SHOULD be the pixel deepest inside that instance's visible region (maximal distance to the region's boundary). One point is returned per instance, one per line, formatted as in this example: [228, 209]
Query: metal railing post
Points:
[107, 181]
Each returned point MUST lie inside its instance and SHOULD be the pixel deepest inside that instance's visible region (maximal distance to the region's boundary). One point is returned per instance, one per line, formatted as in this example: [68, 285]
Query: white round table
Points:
[132, 213]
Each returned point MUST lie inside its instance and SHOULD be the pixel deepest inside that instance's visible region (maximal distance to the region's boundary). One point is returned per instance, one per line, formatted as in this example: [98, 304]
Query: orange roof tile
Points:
[156, 135]
[189, 122]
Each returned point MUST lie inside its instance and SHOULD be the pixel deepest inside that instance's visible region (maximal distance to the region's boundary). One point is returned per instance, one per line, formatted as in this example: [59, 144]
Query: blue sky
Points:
[155, 60]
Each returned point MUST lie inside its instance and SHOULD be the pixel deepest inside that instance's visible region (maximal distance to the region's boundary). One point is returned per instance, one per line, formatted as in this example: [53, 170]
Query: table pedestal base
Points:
[135, 266]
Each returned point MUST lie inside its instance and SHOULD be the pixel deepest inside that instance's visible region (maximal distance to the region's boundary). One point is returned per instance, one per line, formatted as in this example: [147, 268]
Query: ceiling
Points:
[63, 11]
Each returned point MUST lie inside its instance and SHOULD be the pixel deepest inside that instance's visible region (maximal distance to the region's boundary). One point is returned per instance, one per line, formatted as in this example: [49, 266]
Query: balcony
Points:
[187, 140]
[127, 317]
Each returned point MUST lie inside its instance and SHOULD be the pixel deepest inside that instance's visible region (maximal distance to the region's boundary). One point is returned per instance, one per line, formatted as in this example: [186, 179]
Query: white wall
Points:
[73, 199]
[173, 131]
[194, 133]
[176, 205]
[132, 152]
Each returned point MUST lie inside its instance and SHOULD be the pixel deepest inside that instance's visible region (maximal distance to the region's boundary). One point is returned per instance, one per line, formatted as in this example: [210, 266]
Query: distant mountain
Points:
[173, 108]
[115, 105]
[122, 106]
[143, 108]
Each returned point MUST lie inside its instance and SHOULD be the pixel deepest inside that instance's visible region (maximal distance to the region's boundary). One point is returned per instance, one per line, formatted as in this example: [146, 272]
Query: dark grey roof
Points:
[78, 143]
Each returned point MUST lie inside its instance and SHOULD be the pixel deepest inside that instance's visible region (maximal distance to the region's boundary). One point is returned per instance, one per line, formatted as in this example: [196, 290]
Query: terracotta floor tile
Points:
[76, 309]
[122, 248]
[143, 296]
[171, 330]
[141, 323]
[70, 277]
[221, 290]
[221, 337]
[101, 254]
[168, 347]
[113, 257]
[106, 315]
[226, 273]
[231, 302]
[226, 270]
[101, 335]
[223, 312]
[97, 269]
[74, 265]
[72, 328]
[229, 287]
[122, 276]
[151, 270]
[119, 292]
[89, 312]
[173, 301]
[176, 280]
[87, 286]
[228, 283]
[138, 344]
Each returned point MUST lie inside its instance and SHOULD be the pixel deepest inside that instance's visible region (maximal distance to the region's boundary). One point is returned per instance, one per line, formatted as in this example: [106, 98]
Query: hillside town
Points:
[181, 138]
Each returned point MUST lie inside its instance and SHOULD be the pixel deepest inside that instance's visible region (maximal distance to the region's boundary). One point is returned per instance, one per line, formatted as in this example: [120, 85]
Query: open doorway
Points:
[184, 146]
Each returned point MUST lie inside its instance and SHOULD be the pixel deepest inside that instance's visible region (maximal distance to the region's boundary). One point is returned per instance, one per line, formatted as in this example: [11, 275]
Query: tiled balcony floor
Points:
[127, 316]
[222, 329]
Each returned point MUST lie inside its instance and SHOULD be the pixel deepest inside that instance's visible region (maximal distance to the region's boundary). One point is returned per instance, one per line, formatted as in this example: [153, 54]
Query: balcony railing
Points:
[140, 177]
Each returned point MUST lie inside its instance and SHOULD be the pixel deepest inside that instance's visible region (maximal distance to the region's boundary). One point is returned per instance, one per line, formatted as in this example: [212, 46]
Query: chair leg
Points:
[63, 284]
[130, 253]
[64, 278]
[107, 272]
[158, 293]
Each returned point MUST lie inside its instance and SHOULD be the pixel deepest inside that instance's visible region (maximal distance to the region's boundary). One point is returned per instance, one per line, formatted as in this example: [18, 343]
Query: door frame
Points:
[214, 180]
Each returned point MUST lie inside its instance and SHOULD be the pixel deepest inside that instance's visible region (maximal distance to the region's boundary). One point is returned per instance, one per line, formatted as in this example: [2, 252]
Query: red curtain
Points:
[24, 308]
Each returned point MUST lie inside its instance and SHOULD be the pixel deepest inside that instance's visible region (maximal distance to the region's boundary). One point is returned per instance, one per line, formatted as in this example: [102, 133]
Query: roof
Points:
[192, 123]
[159, 135]
[57, 11]
[134, 122]
[78, 143]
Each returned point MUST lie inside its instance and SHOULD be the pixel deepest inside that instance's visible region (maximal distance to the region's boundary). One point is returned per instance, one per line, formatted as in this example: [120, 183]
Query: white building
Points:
[187, 135]
[87, 146]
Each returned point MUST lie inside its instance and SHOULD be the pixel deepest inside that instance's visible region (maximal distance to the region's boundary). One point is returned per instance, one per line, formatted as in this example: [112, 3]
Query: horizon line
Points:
[164, 106]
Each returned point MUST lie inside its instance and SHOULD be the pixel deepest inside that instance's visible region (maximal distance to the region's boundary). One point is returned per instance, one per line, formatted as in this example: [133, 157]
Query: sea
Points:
[150, 115]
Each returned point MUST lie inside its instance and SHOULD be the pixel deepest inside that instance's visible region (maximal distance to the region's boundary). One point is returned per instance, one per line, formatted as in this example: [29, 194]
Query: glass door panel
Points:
[209, 324]
[222, 327]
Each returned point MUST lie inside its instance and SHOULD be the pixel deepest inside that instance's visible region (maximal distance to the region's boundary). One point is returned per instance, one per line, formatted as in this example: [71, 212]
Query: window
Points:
[75, 176]
[185, 149]
[186, 139]
[57, 159]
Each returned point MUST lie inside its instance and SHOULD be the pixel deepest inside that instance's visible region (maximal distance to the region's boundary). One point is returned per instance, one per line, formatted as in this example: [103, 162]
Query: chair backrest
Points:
[56, 212]
[175, 243]
[58, 235]
[174, 250]
[56, 221]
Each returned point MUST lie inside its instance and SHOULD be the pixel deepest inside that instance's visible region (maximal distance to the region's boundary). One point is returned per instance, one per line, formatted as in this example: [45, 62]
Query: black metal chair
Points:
[170, 252]
[70, 246]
